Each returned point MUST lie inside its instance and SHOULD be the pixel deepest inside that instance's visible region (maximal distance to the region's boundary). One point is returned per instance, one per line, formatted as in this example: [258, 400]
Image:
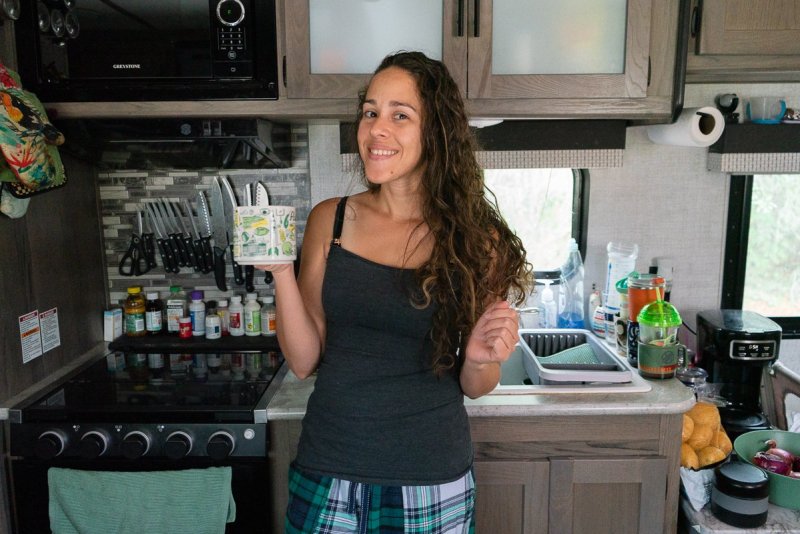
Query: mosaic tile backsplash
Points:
[122, 193]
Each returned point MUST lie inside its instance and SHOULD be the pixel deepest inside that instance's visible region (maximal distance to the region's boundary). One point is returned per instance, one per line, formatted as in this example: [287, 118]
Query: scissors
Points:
[135, 260]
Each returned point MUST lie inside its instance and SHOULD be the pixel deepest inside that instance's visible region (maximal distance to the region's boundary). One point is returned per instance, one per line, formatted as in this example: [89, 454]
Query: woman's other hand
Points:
[491, 343]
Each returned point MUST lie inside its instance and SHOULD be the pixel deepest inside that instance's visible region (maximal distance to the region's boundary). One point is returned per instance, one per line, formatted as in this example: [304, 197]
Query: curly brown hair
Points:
[476, 258]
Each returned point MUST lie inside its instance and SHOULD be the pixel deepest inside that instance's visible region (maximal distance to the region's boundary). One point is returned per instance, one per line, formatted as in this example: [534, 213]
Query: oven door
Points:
[249, 486]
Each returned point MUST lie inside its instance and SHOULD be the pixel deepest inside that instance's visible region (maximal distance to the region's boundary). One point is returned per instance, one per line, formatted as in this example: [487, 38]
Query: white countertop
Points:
[665, 397]
[779, 520]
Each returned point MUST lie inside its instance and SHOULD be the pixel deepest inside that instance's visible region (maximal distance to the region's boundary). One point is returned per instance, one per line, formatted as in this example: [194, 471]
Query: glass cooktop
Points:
[156, 387]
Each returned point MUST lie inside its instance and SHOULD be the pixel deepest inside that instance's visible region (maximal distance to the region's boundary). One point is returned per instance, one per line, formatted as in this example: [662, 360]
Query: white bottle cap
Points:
[236, 299]
[222, 302]
[152, 296]
[252, 296]
[268, 299]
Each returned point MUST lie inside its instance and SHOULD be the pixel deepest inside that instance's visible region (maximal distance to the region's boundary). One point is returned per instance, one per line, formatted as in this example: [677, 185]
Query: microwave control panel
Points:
[233, 55]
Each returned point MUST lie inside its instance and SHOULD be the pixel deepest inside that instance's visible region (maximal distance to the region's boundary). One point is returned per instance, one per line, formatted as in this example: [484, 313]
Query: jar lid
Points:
[740, 479]
[691, 376]
[134, 290]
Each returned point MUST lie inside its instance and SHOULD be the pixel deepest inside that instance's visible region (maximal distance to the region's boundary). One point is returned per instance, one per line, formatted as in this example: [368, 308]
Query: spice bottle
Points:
[213, 328]
[236, 316]
[268, 315]
[153, 308]
[134, 312]
[197, 312]
[252, 316]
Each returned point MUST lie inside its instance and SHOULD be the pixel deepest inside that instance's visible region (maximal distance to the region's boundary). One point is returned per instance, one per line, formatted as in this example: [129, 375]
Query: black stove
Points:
[149, 411]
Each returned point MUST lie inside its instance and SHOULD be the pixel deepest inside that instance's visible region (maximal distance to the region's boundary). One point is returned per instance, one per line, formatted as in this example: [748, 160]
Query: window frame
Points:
[735, 258]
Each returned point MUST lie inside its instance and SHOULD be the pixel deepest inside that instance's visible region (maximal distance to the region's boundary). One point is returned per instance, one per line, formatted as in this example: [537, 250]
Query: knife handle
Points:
[207, 254]
[150, 250]
[249, 274]
[197, 246]
[238, 277]
[219, 268]
[188, 247]
[167, 256]
[177, 250]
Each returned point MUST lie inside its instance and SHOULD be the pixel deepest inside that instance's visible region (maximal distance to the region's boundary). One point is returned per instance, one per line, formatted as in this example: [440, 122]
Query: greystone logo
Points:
[126, 66]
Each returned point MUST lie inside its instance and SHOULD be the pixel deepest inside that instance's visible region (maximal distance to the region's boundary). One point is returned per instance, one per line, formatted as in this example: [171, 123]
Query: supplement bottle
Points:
[197, 312]
[134, 312]
[236, 316]
[213, 328]
[570, 293]
[268, 315]
[621, 262]
[252, 316]
[153, 308]
[176, 308]
[224, 317]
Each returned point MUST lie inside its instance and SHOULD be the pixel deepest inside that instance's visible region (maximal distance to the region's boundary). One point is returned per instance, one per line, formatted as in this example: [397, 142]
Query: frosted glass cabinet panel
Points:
[495, 49]
[352, 36]
[564, 37]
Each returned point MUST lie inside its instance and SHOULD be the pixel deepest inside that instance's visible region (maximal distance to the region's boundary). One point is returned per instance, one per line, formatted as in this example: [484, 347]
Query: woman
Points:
[401, 306]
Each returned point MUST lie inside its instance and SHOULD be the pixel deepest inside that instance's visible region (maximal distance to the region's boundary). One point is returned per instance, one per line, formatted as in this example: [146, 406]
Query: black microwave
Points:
[139, 50]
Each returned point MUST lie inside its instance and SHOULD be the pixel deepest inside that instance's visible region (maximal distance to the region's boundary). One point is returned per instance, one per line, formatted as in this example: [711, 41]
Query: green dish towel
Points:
[578, 355]
[192, 501]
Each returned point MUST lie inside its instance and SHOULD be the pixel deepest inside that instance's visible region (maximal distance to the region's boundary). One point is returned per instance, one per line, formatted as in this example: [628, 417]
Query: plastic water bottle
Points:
[570, 294]
[621, 262]
[549, 316]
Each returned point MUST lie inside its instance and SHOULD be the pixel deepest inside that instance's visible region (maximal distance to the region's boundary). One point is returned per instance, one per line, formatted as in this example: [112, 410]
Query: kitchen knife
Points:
[205, 237]
[184, 236]
[219, 233]
[149, 243]
[164, 246]
[197, 240]
[172, 233]
[229, 203]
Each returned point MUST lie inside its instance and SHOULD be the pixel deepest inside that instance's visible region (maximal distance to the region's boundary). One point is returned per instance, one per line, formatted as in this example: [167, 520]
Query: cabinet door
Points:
[764, 27]
[511, 497]
[565, 49]
[610, 495]
[333, 46]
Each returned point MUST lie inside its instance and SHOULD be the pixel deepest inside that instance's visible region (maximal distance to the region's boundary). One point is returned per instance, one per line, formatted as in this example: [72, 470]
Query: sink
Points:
[523, 373]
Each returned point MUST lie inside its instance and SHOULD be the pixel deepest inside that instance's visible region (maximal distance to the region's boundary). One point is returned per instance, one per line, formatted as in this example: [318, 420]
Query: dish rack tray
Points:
[571, 356]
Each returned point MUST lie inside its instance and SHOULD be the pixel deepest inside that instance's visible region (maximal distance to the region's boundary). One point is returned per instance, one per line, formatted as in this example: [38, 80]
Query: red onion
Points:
[772, 462]
[772, 448]
[796, 464]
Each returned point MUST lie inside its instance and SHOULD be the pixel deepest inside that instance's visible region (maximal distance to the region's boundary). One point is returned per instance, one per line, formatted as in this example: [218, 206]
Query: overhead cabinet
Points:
[510, 58]
[745, 40]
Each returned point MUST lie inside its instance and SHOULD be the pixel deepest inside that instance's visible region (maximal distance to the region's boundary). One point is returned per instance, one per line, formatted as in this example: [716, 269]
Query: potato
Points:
[689, 457]
[710, 455]
[705, 414]
[722, 441]
[701, 436]
[688, 428]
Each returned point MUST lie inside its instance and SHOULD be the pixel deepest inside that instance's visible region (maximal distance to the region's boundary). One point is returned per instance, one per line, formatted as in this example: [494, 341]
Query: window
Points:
[544, 208]
[762, 271]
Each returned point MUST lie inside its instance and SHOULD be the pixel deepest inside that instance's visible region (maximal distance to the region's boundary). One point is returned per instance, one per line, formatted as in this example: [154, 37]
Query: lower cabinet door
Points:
[607, 495]
[512, 496]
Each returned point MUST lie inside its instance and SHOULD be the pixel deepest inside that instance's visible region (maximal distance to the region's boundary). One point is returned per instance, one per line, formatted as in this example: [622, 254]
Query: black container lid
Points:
[740, 479]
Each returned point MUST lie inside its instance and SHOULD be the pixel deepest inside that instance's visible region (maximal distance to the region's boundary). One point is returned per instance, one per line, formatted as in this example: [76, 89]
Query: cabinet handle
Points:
[477, 19]
[460, 19]
[694, 25]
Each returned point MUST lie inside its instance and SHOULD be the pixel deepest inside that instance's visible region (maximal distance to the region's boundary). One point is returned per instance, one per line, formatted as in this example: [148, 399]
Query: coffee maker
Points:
[736, 348]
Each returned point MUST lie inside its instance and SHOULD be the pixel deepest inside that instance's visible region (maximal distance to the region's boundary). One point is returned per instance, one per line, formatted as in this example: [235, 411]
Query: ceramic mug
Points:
[264, 235]
[766, 109]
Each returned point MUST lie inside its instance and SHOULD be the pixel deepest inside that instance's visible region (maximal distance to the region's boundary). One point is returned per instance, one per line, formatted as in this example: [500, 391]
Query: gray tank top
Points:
[378, 414]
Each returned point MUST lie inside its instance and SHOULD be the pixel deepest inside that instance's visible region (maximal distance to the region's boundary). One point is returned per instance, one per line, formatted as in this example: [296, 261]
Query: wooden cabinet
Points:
[637, 84]
[554, 474]
[744, 40]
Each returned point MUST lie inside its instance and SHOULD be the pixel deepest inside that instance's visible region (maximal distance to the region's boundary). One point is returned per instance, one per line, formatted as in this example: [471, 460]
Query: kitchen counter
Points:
[665, 397]
[779, 519]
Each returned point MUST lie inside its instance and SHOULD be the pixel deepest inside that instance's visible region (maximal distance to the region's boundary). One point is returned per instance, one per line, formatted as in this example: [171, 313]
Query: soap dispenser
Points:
[548, 306]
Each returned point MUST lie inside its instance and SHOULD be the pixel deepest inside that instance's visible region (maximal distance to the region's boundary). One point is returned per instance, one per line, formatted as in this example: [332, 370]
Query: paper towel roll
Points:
[696, 127]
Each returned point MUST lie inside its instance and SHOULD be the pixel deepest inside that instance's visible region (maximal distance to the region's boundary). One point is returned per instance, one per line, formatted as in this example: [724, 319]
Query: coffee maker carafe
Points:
[736, 347]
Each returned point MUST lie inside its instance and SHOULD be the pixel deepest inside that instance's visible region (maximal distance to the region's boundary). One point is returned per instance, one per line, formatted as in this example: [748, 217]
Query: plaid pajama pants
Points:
[326, 505]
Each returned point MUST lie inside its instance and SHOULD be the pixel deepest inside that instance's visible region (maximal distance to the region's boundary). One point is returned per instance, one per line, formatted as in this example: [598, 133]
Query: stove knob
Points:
[93, 444]
[220, 445]
[135, 445]
[177, 445]
[50, 444]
